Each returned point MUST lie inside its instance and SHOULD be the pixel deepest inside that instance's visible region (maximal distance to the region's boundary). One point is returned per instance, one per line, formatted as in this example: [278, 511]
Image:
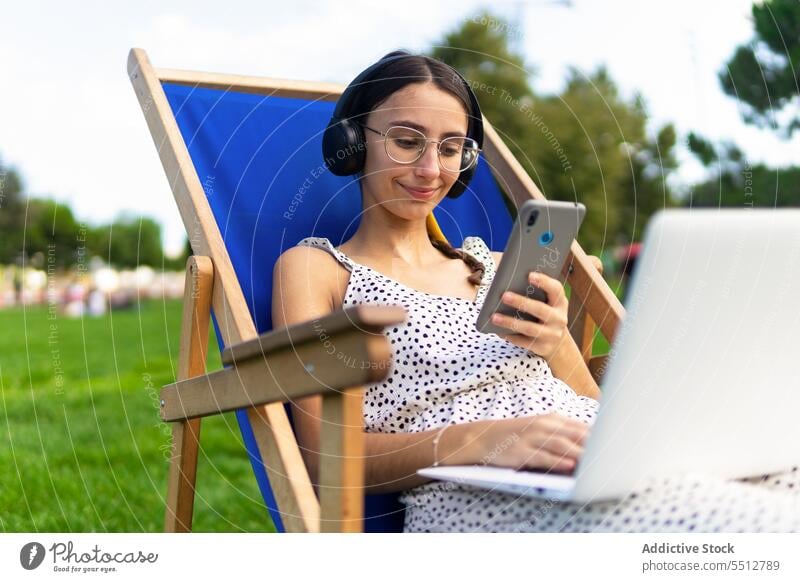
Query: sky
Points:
[71, 126]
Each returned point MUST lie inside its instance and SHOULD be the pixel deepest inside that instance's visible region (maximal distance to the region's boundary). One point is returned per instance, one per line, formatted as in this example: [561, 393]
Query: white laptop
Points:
[704, 375]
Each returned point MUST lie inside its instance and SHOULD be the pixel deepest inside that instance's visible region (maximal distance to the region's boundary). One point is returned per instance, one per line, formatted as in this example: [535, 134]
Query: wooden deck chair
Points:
[243, 159]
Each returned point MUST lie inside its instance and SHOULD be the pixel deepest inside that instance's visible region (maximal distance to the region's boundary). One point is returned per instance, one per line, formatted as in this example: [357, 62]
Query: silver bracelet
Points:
[436, 444]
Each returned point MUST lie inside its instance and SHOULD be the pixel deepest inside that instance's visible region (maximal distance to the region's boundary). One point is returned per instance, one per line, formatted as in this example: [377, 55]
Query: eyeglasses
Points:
[405, 145]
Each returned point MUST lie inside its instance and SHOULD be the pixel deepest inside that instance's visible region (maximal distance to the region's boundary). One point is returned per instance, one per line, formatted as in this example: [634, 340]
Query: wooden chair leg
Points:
[341, 470]
[182, 476]
[191, 362]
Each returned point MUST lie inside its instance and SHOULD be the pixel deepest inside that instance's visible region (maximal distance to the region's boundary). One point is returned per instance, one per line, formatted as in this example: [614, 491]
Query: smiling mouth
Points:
[425, 193]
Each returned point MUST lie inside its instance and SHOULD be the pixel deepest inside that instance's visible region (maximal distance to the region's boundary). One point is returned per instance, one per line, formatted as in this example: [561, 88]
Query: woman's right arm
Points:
[302, 291]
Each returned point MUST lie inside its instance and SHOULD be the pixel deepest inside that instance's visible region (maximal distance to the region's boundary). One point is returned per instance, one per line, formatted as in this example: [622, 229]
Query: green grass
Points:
[81, 445]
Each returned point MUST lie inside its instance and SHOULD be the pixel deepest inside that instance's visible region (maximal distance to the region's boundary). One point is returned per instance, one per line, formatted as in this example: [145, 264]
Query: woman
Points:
[411, 127]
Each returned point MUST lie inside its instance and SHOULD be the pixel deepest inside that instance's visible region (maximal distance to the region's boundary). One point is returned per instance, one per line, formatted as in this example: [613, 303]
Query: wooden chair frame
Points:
[264, 371]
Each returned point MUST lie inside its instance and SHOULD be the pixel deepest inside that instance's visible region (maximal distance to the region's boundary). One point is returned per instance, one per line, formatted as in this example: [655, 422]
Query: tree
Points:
[591, 145]
[762, 75]
[51, 234]
[128, 242]
[733, 182]
[499, 77]
[647, 191]
[587, 143]
[12, 209]
[46, 233]
[40, 232]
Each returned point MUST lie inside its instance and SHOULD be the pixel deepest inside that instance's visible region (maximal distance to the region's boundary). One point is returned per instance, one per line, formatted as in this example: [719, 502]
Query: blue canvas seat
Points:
[259, 160]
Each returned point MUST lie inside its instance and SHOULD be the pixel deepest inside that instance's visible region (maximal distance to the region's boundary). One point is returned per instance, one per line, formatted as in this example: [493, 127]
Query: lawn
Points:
[82, 448]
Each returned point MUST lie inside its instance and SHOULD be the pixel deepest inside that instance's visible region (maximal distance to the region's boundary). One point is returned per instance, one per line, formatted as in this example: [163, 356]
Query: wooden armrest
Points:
[592, 292]
[369, 318]
[341, 350]
[581, 325]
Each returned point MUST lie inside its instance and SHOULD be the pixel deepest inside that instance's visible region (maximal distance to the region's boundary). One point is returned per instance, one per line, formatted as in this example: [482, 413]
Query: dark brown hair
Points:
[477, 267]
[397, 74]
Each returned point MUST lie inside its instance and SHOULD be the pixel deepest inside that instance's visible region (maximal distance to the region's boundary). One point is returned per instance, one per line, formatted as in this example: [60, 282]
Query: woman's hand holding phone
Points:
[543, 338]
[534, 316]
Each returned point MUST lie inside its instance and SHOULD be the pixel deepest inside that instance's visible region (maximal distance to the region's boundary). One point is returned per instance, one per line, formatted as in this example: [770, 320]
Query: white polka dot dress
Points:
[444, 371]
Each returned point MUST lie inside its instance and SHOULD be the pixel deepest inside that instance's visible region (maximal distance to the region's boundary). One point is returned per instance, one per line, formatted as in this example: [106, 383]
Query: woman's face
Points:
[411, 191]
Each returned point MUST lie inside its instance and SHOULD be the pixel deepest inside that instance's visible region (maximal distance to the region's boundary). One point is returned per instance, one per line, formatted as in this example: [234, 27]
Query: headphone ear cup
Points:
[344, 147]
[457, 189]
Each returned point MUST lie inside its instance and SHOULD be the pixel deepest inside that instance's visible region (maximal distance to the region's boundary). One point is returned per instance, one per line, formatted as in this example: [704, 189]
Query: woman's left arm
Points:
[549, 339]
[567, 365]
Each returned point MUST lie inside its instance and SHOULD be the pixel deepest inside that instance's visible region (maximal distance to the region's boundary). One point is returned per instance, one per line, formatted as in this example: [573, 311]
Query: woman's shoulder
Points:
[307, 276]
[311, 255]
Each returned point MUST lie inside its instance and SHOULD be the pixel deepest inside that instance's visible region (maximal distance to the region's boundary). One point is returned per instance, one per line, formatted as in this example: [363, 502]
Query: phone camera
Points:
[532, 218]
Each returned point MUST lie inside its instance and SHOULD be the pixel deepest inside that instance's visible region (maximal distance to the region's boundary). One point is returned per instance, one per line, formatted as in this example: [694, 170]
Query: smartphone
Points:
[540, 241]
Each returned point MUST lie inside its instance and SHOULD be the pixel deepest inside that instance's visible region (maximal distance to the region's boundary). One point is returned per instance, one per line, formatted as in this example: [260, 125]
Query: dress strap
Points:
[475, 246]
[472, 245]
[325, 244]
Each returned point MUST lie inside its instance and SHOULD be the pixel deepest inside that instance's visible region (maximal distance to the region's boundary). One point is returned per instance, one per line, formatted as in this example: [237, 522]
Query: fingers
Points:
[558, 425]
[523, 327]
[542, 459]
[551, 323]
[576, 431]
[552, 311]
[597, 263]
[561, 446]
[535, 307]
[550, 441]
[553, 287]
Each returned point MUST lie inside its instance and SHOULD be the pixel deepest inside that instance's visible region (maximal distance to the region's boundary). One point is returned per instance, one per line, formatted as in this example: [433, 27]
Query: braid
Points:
[477, 267]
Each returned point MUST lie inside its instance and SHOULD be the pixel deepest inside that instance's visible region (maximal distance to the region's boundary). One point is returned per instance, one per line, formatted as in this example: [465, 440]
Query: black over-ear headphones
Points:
[343, 143]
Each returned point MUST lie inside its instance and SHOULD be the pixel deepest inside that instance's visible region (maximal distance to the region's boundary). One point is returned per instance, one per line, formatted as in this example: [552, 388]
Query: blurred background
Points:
[627, 107]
